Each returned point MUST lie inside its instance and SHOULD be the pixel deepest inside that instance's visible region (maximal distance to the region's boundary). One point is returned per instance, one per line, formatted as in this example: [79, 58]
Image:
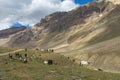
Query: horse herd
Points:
[45, 50]
[19, 56]
[24, 58]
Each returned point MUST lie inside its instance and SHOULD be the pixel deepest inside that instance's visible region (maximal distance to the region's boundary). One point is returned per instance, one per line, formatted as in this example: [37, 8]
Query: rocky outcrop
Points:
[7, 32]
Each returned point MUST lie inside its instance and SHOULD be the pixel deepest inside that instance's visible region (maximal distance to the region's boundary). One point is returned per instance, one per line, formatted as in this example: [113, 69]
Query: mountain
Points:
[89, 32]
[67, 28]
[6, 35]
[113, 1]
[7, 32]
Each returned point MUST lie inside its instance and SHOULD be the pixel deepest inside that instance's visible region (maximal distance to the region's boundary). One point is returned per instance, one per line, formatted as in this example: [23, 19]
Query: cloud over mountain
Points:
[30, 11]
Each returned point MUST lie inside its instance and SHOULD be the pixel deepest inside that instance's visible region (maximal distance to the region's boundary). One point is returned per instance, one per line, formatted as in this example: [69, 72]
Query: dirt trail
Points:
[2, 54]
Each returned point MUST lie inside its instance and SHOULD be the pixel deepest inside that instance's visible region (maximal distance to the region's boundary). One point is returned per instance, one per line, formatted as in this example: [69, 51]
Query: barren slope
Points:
[66, 28]
[103, 49]
[6, 35]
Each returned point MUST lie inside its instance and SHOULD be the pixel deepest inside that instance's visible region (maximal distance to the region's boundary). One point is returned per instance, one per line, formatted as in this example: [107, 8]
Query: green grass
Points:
[36, 70]
[6, 49]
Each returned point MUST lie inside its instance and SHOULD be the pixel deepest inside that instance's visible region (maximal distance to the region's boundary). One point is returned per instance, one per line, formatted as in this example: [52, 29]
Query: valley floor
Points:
[65, 69]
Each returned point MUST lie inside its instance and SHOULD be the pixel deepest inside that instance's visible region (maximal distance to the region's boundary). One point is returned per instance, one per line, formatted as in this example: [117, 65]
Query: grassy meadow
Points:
[62, 69]
[6, 49]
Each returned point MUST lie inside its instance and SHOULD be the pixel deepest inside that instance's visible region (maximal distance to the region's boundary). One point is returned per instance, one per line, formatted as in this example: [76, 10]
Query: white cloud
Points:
[67, 5]
[30, 11]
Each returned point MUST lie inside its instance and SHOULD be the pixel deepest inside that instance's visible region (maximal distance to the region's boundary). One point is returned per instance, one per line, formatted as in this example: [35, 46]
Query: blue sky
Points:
[17, 24]
[81, 2]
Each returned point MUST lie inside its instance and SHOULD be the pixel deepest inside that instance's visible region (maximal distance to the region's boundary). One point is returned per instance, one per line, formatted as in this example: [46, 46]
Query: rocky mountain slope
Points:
[113, 1]
[6, 35]
[7, 32]
[62, 28]
[89, 32]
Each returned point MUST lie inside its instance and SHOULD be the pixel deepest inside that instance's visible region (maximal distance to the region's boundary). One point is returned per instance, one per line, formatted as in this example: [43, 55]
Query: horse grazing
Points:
[26, 55]
[45, 62]
[84, 63]
[26, 49]
[49, 62]
[25, 60]
[50, 50]
[10, 56]
[20, 57]
[17, 54]
[100, 69]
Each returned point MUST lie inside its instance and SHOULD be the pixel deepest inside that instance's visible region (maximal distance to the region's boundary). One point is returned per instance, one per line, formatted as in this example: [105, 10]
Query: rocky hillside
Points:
[113, 1]
[7, 32]
[64, 27]
[89, 32]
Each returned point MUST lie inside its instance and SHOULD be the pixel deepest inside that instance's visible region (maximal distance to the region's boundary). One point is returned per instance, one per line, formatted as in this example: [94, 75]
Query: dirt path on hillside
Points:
[2, 54]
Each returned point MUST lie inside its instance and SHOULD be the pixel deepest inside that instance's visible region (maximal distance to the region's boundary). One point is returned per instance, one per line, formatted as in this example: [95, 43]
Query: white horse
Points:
[42, 50]
[45, 62]
[84, 63]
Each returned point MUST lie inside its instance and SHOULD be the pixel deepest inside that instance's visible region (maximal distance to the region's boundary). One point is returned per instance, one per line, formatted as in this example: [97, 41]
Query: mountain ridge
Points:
[62, 22]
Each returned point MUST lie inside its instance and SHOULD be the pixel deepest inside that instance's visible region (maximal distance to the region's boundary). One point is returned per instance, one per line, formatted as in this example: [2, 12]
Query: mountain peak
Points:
[113, 1]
